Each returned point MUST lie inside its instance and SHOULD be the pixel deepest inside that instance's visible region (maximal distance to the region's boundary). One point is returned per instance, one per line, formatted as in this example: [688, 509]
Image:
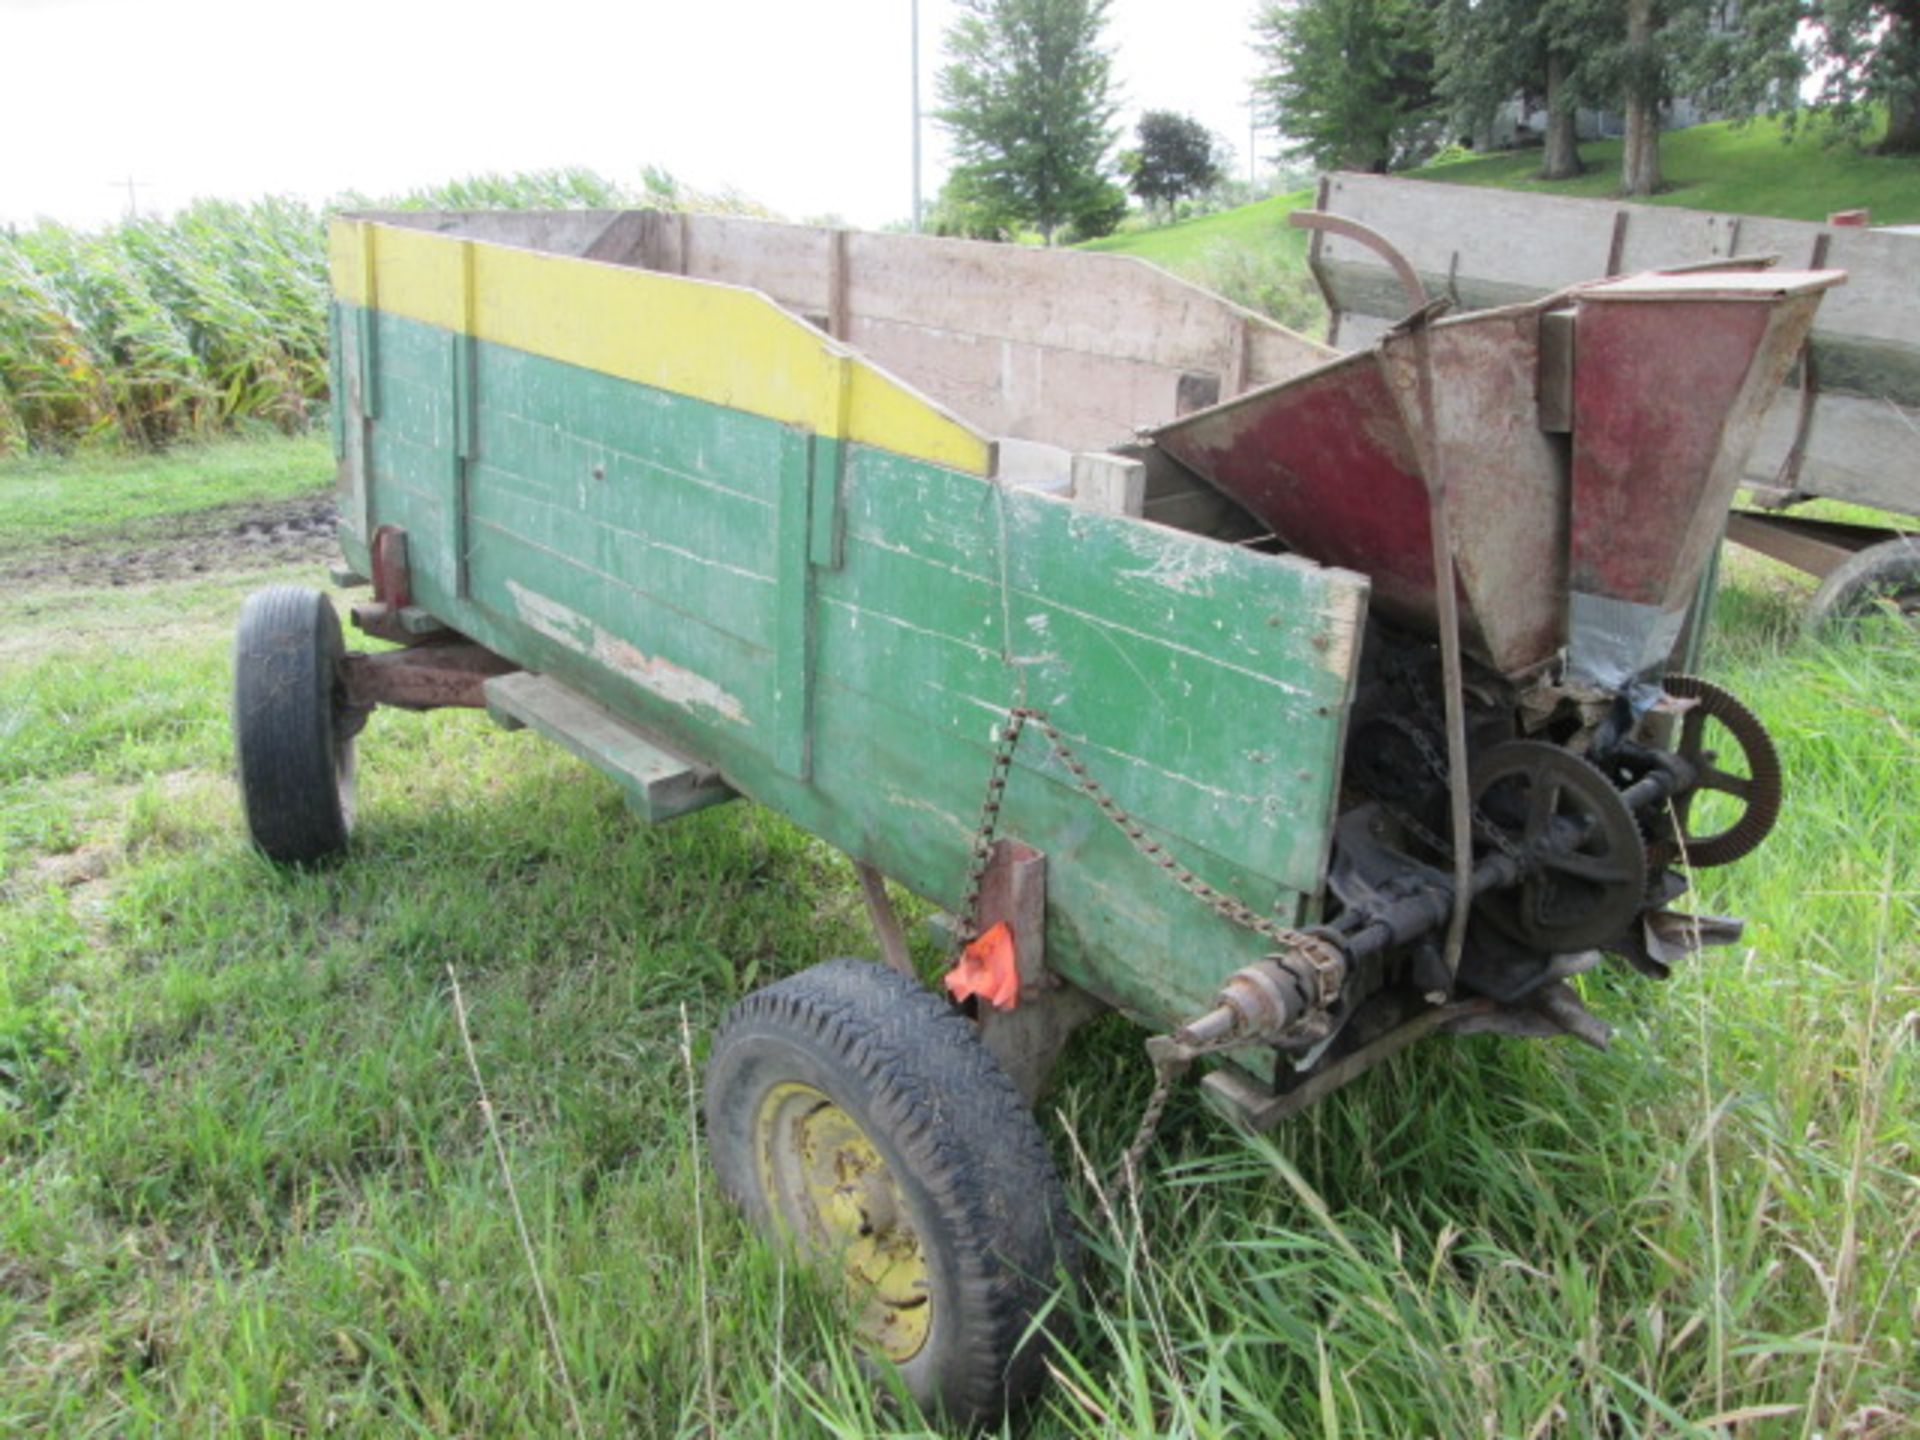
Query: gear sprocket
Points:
[1586, 863]
[1758, 791]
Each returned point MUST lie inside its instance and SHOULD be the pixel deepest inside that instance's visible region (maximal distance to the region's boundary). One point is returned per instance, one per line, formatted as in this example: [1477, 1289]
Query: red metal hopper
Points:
[1586, 447]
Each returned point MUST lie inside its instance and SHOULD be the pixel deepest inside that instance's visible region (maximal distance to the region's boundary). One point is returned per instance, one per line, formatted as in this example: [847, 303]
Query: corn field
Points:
[156, 331]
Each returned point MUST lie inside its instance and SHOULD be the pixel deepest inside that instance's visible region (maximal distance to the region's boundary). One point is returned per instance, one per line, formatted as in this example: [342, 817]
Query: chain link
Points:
[1436, 764]
[1226, 906]
[1170, 1061]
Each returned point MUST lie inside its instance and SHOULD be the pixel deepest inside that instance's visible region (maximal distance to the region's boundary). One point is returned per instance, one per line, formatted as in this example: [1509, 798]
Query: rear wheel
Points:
[856, 1117]
[292, 728]
[1882, 579]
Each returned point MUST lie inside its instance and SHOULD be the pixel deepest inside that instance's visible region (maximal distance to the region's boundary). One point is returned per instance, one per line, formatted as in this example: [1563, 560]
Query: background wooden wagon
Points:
[1846, 425]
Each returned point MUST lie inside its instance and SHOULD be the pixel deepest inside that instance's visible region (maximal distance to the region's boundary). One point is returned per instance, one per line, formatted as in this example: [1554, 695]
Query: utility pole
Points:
[916, 117]
[1253, 135]
[129, 185]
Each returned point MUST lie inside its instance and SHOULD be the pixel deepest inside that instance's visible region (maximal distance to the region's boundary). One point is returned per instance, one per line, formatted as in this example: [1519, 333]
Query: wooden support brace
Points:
[1111, 484]
[886, 923]
[660, 782]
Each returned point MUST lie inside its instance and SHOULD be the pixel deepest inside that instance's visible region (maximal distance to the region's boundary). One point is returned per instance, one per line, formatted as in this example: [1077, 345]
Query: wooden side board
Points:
[716, 342]
[840, 630]
[1486, 247]
[1070, 348]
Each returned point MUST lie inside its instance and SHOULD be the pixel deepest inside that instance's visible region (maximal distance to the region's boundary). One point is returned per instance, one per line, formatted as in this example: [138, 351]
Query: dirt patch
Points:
[222, 540]
[75, 868]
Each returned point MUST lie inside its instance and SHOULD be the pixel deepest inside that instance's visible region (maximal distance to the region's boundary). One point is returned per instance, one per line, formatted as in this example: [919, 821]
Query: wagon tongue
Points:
[1595, 542]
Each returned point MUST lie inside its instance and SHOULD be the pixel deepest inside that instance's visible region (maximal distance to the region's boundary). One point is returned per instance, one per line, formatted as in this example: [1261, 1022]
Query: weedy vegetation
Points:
[245, 1187]
[153, 332]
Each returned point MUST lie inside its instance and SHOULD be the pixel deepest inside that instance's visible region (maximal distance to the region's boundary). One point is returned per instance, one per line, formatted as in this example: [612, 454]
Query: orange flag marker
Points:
[987, 969]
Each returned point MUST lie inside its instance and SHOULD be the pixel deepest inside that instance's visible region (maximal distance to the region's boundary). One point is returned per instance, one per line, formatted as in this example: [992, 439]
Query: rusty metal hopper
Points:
[1587, 446]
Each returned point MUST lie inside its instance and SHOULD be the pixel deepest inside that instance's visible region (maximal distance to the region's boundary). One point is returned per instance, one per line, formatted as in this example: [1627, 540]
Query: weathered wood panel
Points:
[1066, 347]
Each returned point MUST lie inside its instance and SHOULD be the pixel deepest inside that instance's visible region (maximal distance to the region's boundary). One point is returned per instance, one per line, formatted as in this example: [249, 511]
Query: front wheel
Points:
[292, 727]
[854, 1116]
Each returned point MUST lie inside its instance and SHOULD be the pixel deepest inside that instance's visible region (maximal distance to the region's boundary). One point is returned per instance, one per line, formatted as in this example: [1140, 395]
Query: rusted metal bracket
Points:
[392, 576]
[1322, 223]
[1027, 1039]
[1554, 1011]
[424, 677]
[407, 625]
[886, 923]
[391, 614]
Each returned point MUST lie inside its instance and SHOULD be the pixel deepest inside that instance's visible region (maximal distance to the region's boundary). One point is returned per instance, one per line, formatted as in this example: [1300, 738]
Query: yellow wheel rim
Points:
[831, 1191]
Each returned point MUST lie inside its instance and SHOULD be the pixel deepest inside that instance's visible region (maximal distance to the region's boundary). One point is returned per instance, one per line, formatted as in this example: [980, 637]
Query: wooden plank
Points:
[660, 783]
[824, 530]
[793, 609]
[729, 346]
[1110, 484]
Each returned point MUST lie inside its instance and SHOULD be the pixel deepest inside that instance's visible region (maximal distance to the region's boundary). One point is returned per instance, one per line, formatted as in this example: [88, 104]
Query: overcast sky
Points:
[801, 106]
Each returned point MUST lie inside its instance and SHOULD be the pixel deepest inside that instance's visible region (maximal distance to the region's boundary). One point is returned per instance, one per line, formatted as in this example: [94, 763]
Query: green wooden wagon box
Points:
[929, 546]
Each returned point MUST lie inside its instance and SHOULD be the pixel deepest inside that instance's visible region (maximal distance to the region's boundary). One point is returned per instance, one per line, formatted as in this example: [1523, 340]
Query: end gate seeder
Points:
[1381, 661]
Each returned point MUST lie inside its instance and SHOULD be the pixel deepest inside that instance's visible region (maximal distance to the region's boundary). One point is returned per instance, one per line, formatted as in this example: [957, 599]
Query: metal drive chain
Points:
[1226, 906]
[1170, 1060]
[1437, 763]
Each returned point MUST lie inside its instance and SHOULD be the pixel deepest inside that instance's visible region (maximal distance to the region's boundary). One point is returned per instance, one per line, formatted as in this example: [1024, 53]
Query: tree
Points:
[1633, 56]
[1351, 82]
[1177, 157]
[1867, 55]
[1863, 56]
[1492, 51]
[1027, 95]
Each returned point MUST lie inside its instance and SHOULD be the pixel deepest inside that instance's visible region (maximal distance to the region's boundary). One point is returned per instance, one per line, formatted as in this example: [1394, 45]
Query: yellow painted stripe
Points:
[717, 343]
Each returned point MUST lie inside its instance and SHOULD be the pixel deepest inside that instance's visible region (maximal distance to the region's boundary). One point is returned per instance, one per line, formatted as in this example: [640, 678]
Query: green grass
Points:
[44, 499]
[1188, 242]
[1249, 254]
[245, 1189]
[1725, 166]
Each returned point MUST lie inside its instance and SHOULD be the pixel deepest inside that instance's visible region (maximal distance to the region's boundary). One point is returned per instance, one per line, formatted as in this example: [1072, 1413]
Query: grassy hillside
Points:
[1250, 255]
[1748, 169]
[1189, 242]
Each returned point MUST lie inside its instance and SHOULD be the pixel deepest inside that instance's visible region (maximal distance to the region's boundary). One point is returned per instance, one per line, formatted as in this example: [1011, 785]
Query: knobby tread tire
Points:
[296, 770]
[981, 1187]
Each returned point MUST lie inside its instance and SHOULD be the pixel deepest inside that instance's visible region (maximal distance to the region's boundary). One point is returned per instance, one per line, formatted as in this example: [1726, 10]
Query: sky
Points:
[803, 107]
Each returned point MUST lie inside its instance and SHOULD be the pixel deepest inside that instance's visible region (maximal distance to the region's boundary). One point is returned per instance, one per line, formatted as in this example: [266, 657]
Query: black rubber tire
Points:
[1854, 590]
[980, 1188]
[289, 733]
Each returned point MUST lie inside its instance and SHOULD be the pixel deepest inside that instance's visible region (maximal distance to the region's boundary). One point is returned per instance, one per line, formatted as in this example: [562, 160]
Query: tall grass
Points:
[155, 331]
[245, 1187]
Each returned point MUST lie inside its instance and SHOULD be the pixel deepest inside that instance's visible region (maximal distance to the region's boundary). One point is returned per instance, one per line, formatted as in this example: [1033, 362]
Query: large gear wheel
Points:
[1587, 865]
[1757, 792]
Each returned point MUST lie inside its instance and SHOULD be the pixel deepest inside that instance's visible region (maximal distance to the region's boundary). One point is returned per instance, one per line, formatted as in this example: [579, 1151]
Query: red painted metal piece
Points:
[1332, 462]
[1671, 374]
[392, 580]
